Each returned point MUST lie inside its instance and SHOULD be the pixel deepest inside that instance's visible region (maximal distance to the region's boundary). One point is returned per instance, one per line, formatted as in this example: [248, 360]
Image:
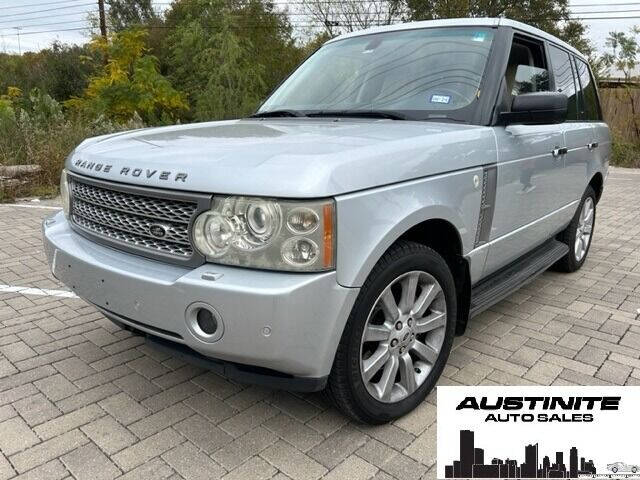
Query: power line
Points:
[46, 24]
[12, 23]
[606, 11]
[383, 2]
[38, 4]
[299, 25]
[626, 4]
[290, 14]
[47, 10]
[49, 31]
[280, 14]
[86, 12]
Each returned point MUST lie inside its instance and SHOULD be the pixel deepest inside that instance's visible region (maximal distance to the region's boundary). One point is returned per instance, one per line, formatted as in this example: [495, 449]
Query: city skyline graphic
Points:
[471, 463]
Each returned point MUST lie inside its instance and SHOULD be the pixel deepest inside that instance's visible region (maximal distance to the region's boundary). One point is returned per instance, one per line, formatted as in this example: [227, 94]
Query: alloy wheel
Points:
[585, 228]
[403, 336]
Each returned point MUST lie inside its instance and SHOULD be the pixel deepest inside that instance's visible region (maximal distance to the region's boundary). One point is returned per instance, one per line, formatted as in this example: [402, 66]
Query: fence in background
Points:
[621, 110]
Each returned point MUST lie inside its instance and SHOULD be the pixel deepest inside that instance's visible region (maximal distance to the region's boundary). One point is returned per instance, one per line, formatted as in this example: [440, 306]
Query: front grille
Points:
[156, 208]
[134, 224]
[127, 220]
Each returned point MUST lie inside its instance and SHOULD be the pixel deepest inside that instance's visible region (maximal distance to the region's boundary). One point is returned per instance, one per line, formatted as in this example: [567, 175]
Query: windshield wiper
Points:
[358, 113]
[277, 113]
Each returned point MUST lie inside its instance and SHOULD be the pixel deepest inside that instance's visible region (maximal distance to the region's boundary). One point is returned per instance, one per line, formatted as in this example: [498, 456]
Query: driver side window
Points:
[527, 67]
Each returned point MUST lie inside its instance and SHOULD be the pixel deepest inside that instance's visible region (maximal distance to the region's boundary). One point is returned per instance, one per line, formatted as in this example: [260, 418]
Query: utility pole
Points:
[18, 32]
[103, 20]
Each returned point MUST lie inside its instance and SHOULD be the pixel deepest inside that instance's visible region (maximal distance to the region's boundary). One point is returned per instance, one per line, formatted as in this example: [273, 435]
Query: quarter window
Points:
[589, 106]
[565, 82]
[526, 68]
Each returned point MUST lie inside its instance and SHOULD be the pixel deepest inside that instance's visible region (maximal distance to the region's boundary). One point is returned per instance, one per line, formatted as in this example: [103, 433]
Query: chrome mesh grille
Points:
[127, 218]
[156, 208]
[132, 239]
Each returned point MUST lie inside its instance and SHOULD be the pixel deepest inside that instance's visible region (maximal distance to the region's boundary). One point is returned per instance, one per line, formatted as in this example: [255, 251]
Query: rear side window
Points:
[564, 79]
[589, 106]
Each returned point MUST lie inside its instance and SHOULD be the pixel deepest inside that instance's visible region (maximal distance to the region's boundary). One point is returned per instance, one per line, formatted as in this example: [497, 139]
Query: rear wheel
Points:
[579, 233]
[398, 336]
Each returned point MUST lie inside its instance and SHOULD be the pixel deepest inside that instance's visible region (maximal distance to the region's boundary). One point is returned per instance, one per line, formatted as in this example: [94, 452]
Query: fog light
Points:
[206, 322]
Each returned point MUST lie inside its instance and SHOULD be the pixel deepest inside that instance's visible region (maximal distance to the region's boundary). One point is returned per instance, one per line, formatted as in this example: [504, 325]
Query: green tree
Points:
[129, 83]
[549, 15]
[127, 14]
[552, 16]
[624, 51]
[123, 14]
[352, 15]
[62, 71]
[544, 14]
[235, 82]
[576, 34]
[271, 41]
[227, 55]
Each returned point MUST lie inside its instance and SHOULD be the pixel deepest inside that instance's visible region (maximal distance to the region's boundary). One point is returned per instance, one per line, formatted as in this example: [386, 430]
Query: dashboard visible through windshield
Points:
[416, 73]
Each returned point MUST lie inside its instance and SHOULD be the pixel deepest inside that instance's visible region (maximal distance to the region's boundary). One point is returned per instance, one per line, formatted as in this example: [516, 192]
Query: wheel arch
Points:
[441, 233]
[444, 238]
[597, 183]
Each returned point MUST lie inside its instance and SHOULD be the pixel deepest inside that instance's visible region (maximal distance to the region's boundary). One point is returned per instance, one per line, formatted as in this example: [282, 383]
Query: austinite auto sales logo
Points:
[538, 432]
[549, 404]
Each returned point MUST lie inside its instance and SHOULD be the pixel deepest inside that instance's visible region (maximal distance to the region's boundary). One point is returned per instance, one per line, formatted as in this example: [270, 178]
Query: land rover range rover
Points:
[400, 181]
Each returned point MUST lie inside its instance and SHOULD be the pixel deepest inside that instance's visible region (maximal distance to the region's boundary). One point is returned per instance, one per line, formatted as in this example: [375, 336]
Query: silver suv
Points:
[402, 180]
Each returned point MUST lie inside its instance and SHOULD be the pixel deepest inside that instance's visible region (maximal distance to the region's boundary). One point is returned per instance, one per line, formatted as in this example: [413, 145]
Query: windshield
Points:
[419, 73]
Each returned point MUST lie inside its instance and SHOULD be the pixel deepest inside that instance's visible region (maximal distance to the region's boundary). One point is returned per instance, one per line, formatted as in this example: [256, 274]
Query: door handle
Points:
[556, 152]
[592, 145]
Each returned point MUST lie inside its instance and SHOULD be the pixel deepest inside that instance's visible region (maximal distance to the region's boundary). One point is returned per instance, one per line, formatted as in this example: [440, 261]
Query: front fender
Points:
[369, 222]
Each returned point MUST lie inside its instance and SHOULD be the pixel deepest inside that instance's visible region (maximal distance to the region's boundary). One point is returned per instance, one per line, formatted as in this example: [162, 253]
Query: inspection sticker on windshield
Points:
[440, 98]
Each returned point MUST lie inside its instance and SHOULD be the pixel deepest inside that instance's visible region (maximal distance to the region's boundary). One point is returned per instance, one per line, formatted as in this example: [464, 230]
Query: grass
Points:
[28, 140]
[47, 147]
[625, 154]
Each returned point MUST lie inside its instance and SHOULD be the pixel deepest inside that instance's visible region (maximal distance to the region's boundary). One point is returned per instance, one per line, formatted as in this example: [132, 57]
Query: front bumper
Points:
[287, 322]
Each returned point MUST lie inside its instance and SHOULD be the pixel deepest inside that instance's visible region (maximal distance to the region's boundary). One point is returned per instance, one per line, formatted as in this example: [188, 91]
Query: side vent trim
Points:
[487, 204]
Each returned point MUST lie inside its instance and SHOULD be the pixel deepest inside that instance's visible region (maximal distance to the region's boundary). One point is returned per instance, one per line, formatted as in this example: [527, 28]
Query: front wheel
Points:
[398, 336]
[579, 233]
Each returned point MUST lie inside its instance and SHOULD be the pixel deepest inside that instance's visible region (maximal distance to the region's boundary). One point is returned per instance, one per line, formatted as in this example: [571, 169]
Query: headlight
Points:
[267, 233]
[64, 193]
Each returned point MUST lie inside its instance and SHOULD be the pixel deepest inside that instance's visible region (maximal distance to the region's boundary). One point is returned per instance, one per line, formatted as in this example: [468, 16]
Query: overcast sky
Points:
[40, 22]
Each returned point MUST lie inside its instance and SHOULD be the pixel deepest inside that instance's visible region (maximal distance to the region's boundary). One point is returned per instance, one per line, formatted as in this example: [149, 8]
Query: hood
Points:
[290, 157]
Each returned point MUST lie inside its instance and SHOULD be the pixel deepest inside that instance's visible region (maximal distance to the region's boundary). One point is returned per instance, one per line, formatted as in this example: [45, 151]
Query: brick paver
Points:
[81, 398]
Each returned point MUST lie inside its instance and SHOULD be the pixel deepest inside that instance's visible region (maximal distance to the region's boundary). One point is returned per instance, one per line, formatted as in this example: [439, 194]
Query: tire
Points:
[634, 470]
[614, 469]
[572, 261]
[404, 264]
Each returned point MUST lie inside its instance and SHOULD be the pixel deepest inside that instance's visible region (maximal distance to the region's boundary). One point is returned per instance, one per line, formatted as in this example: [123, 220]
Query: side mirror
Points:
[538, 108]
